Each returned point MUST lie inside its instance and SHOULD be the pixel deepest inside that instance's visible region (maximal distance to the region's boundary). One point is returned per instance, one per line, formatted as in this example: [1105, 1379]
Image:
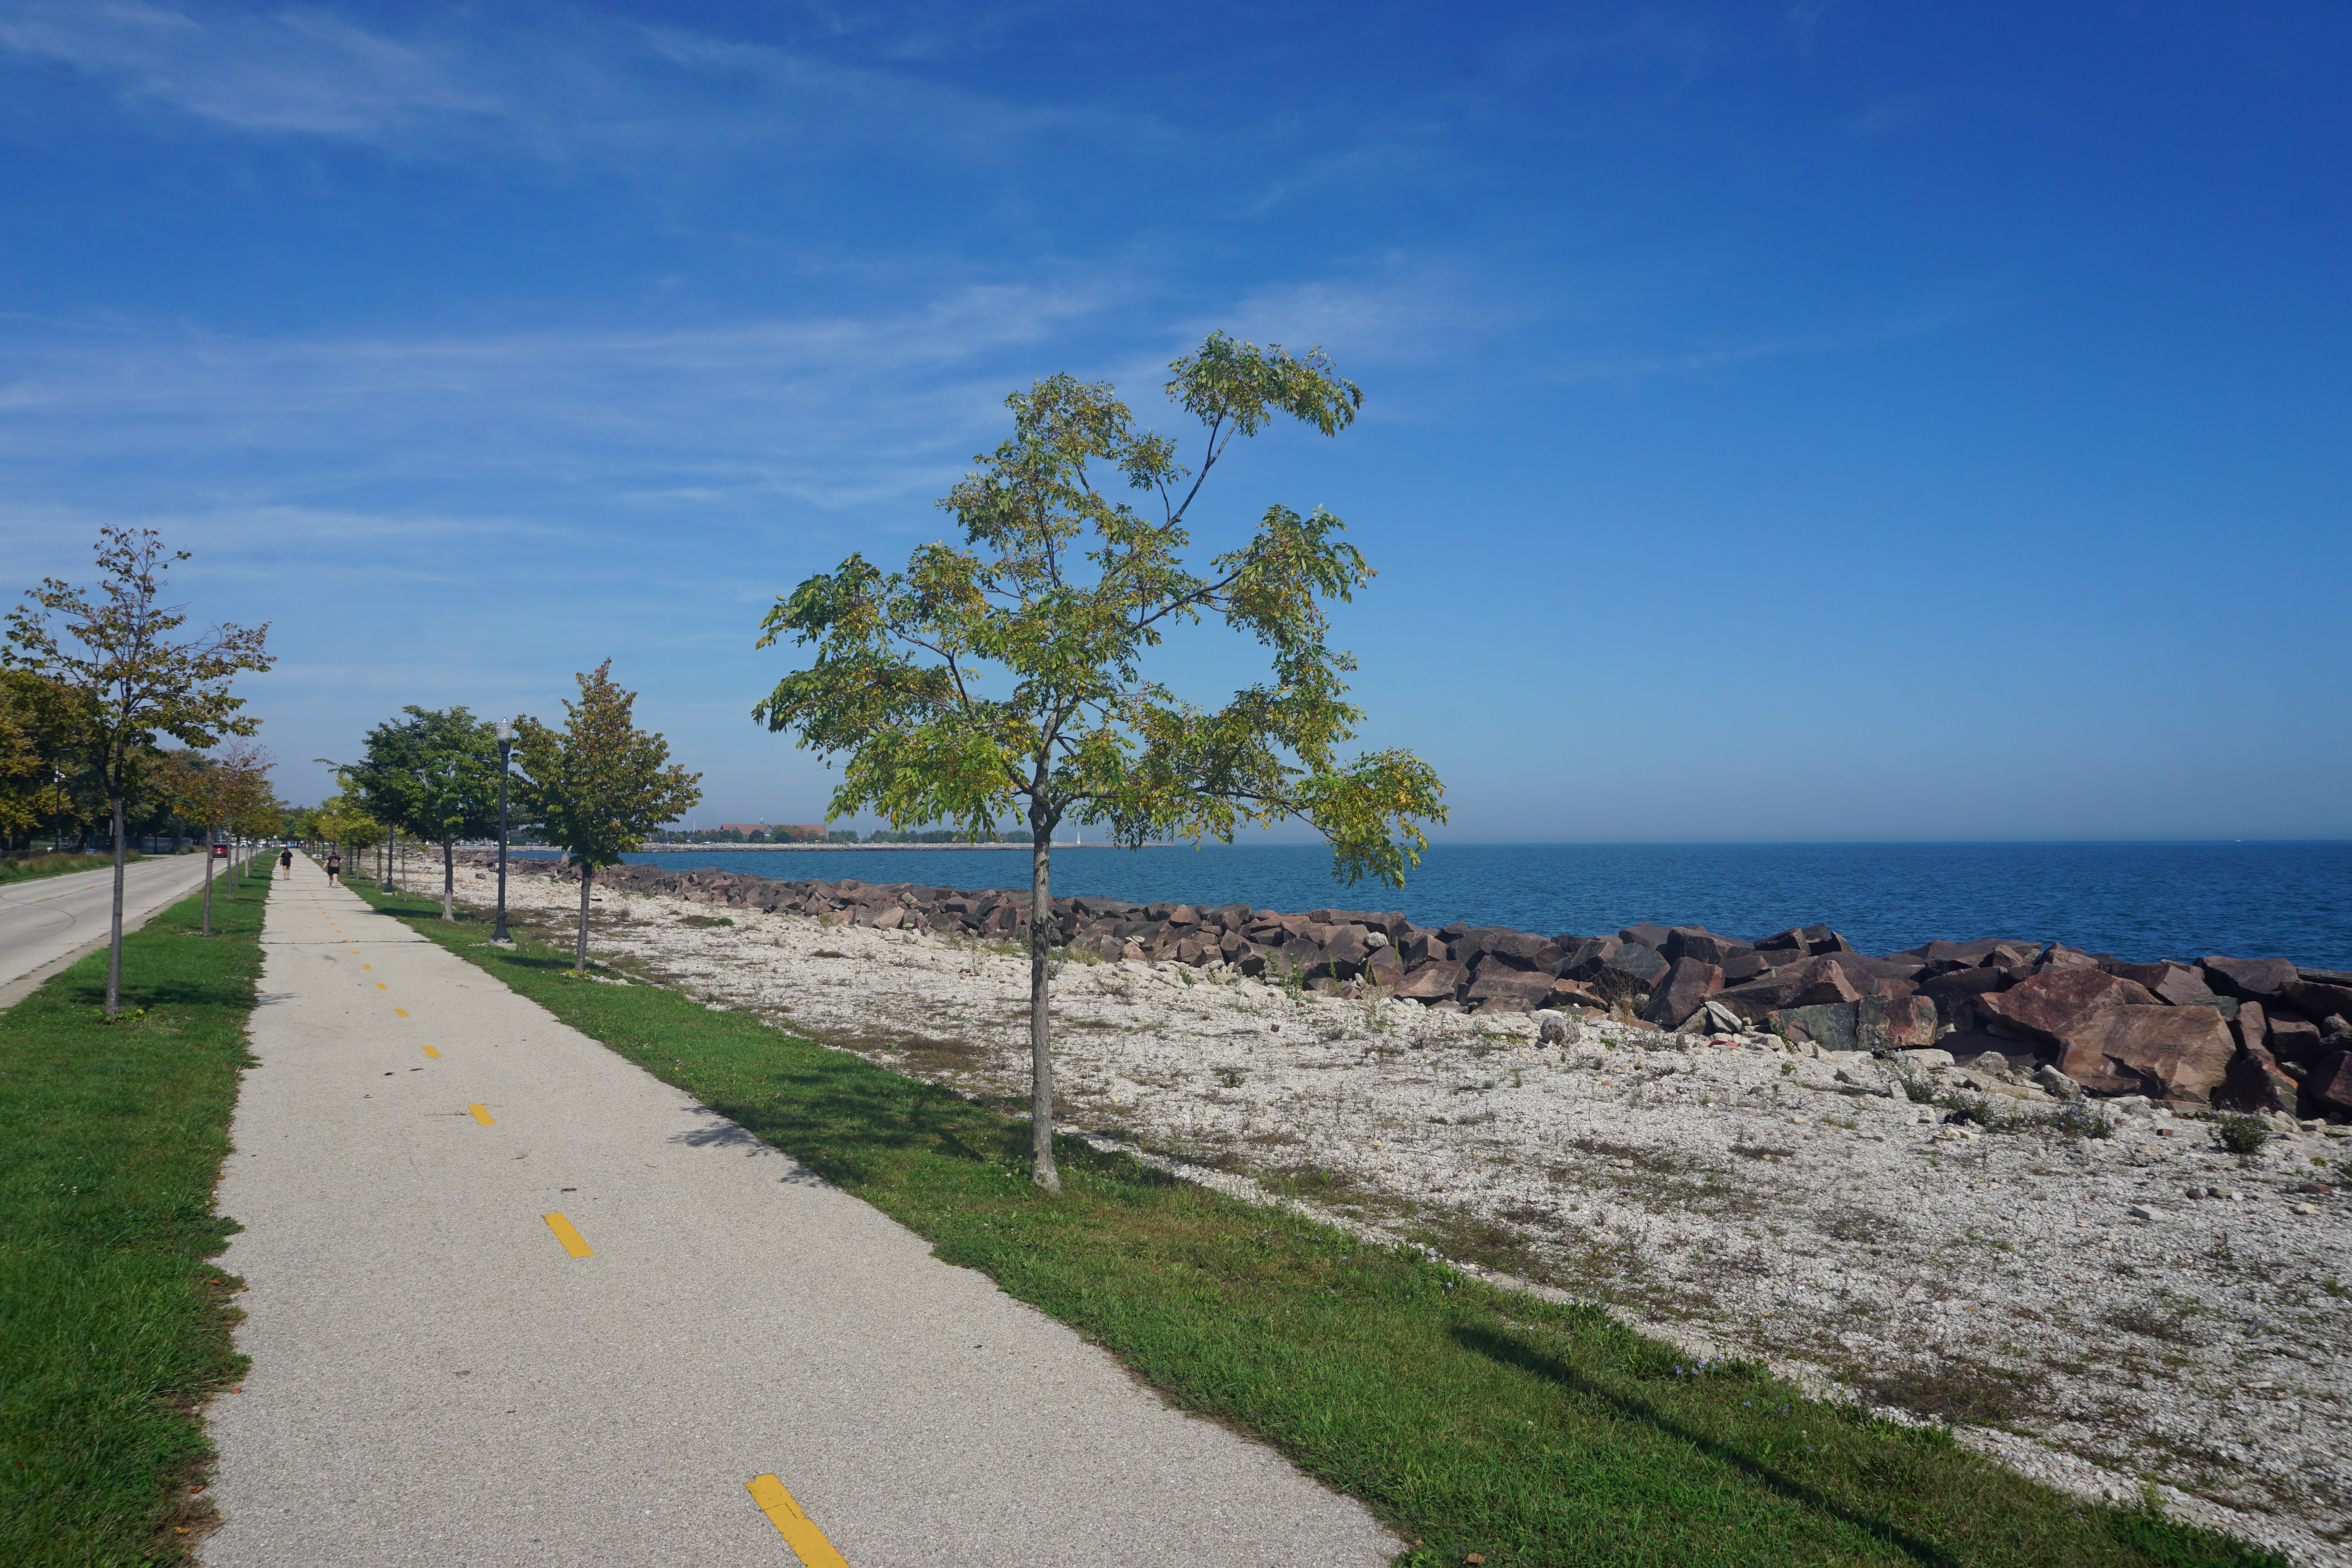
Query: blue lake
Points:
[2141, 902]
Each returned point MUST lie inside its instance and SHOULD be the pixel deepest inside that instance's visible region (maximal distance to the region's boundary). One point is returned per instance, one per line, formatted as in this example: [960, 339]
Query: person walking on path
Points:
[334, 868]
[286, 864]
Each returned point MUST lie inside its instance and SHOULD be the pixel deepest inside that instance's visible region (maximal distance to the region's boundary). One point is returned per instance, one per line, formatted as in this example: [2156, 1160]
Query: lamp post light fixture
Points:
[505, 748]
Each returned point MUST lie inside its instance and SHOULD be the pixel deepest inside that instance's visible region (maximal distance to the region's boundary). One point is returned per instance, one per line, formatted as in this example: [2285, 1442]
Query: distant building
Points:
[778, 833]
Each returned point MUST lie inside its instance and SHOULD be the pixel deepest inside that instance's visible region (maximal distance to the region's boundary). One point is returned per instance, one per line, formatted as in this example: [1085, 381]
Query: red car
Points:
[220, 851]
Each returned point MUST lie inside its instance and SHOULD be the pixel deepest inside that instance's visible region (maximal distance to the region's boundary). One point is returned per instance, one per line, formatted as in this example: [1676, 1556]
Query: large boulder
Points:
[1504, 945]
[1498, 988]
[2165, 1053]
[1616, 969]
[1644, 935]
[1684, 991]
[2291, 1036]
[1813, 982]
[1742, 967]
[1895, 1023]
[2250, 978]
[2330, 1083]
[2318, 999]
[1438, 981]
[1697, 941]
[1955, 992]
[1567, 993]
[2255, 1083]
[1830, 1024]
[2043, 1008]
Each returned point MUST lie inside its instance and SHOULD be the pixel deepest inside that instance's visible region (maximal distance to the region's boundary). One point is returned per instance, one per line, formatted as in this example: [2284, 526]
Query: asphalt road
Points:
[511, 1300]
[51, 917]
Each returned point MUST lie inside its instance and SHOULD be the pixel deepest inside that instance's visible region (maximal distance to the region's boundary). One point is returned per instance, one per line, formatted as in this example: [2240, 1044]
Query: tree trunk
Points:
[114, 929]
[208, 883]
[580, 946]
[1042, 1169]
[448, 879]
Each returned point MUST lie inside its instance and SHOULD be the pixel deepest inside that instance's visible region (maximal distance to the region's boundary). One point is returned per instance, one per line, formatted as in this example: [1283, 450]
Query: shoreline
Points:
[1760, 1195]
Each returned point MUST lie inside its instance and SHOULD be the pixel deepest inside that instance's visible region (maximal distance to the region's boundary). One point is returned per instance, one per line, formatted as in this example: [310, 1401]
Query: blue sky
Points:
[1829, 421]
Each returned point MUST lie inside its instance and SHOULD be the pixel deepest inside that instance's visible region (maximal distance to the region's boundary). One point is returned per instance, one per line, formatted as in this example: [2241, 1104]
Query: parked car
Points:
[220, 851]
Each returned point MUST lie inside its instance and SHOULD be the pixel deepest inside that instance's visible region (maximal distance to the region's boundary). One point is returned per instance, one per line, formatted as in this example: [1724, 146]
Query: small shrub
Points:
[2244, 1134]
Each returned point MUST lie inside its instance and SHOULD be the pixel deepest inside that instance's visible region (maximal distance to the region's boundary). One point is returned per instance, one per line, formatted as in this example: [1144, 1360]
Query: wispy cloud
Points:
[832, 411]
[542, 84]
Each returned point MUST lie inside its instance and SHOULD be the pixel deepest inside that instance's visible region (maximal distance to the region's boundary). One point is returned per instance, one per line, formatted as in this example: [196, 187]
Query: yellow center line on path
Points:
[566, 1234]
[482, 1115]
[799, 1530]
[378, 985]
[434, 1053]
[399, 1011]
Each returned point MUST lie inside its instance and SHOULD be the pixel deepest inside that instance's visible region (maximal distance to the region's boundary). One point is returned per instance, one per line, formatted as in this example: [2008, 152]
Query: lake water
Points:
[2141, 902]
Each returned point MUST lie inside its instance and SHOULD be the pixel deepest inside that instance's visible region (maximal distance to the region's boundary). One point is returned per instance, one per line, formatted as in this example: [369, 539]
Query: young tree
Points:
[1009, 672]
[436, 776]
[597, 786]
[213, 791]
[127, 681]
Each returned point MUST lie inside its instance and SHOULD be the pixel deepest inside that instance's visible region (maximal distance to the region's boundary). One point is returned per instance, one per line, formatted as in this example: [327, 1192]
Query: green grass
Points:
[36, 865]
[114, 1328]
[1471, 1419]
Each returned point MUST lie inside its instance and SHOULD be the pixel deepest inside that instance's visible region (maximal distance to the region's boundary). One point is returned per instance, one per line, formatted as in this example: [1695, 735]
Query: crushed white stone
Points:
[1733, 1198]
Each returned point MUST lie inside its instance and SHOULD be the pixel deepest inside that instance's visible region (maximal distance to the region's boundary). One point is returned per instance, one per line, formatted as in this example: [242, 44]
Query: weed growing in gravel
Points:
[2242, 1134]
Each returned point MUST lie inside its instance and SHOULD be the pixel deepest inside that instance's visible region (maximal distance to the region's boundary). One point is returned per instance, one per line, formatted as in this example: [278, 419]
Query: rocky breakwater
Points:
[2250, 1034]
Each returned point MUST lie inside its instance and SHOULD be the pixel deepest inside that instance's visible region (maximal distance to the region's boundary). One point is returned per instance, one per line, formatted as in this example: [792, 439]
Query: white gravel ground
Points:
[2106, 1328]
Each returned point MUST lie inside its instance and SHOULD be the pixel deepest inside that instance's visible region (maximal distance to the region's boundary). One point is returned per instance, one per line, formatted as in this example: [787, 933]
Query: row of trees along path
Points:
[594, 788]
[112, 661]
[1008, 673]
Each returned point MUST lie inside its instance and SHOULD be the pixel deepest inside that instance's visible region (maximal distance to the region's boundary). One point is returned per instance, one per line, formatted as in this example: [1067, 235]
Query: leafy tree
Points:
[128, 680]
[212, 792]
[434, 776]
[342, 820]
[598, 785]
[1008, 673]
[30, 792]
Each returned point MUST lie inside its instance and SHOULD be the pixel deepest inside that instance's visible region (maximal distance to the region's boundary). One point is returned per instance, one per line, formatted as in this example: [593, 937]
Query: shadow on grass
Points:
[1513, 1352]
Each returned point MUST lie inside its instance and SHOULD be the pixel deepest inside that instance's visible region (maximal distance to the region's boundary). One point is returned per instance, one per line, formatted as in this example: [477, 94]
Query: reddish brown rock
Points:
[1789, 940]
[2252, 979]
[1697, 941]
[1685, 990]
[2165, 1053]
[1616, 969]
[1954, 993]
[1814, 983]
[1434, 981]
[2255, 1083]
[1567, 993]
[2291, 1036]
[1499, 988]
[1895, 1023]
[2330, 1083]
[1743, 967]
[2043, 1008]
[2252, 1027]
[2317, 999]
[1645, 935]
[2183, 987]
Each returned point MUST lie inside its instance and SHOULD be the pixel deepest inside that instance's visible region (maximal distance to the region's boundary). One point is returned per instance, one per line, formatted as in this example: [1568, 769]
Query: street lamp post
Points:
[505, 748]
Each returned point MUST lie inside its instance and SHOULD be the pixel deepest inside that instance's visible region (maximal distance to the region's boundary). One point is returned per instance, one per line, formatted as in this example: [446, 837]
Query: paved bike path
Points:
[437, 1379]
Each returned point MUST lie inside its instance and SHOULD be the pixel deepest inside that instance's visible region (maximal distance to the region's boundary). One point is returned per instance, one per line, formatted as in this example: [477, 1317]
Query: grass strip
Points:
[114, 1328]
[1472, 1419]
[34, 867]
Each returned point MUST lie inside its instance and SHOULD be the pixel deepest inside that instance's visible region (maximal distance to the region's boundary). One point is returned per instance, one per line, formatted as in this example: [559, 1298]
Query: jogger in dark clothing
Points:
[286, 863]
[334, 868]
